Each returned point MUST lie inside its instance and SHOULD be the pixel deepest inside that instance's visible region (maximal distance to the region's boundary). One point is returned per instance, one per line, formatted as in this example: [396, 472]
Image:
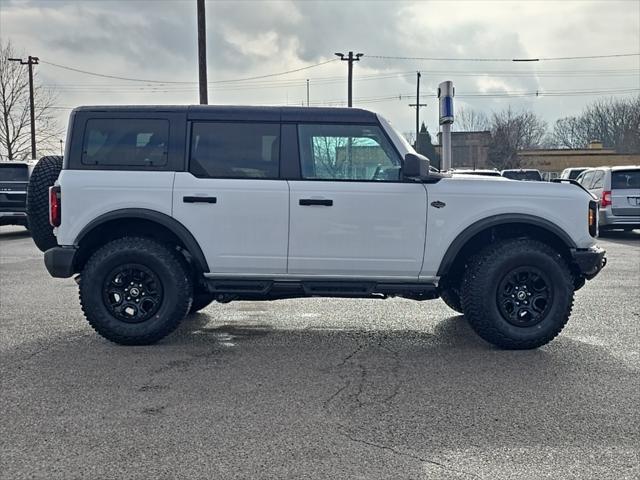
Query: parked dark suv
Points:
[14, 178]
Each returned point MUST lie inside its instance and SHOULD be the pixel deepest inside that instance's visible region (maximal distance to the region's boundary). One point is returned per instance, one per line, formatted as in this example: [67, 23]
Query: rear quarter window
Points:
[622, 179]
[126, 142]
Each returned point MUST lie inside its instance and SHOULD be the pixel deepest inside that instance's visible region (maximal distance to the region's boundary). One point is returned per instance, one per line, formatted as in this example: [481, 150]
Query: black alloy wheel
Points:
[524, 296]
[132, 293]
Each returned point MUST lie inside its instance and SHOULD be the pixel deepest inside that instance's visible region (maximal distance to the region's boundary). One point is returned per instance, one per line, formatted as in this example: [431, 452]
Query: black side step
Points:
[338, 289]
[236, 287]
[257, 289]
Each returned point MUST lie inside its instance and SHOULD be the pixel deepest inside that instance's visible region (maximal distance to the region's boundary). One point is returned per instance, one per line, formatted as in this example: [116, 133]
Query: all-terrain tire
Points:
[486, 289]
[44, 175]
[200, 301]
[162, 265]
[450, 294]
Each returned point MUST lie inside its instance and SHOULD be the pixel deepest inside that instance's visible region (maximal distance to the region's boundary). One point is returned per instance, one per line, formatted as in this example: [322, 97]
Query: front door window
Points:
[347, 152]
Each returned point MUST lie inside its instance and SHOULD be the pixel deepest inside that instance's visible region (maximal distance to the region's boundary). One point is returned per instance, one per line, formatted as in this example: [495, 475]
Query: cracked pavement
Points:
[316, 388]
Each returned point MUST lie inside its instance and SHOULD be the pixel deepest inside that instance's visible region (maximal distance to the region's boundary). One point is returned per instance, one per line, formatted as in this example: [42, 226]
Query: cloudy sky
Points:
[156, 40]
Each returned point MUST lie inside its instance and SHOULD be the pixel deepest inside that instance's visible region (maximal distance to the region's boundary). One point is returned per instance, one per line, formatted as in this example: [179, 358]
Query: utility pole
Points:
[307, 92]
[202, 53]
[31, 61]
[417, 105]
[350, 58]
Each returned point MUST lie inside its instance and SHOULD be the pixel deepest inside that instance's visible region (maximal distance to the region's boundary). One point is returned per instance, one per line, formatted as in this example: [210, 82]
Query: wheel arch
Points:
[484, 231]
[137, 221]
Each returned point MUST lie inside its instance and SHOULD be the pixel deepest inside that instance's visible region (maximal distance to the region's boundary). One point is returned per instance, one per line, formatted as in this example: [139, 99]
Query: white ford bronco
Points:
[162, 210]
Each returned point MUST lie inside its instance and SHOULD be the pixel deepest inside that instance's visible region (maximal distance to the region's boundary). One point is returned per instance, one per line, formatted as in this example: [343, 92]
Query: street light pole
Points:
[31, 61]
[350, 58]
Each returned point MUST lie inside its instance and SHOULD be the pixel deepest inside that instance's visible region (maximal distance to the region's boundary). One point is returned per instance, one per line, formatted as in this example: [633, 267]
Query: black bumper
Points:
[590, 261]
[60, 261]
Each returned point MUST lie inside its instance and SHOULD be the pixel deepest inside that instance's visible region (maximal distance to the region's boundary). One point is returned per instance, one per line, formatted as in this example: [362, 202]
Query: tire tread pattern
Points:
[44, 175]
[473, 292]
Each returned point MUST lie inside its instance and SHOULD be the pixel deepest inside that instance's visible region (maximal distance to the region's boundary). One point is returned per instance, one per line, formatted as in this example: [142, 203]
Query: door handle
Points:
[199, 199]
[316, 201]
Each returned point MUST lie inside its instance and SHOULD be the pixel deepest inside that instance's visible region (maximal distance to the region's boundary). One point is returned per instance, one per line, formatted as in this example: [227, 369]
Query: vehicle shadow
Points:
[7, 233]
[619, 236]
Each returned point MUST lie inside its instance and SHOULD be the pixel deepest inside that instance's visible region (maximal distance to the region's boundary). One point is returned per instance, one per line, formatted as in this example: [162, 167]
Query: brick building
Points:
[556, 160]
[468, 149]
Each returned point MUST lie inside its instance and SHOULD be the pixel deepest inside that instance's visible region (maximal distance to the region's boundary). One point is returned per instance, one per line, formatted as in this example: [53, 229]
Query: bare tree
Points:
[15, 125]
[332, 156]
[410, 137]
[614, 122]
[470, 121]
[511, 132]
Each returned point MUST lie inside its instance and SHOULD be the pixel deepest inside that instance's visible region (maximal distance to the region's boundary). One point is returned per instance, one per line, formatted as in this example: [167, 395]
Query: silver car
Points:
[618, 191]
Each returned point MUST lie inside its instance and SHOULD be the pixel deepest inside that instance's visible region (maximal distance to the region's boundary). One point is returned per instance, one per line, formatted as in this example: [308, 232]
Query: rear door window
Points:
[235, 150]
[598, 180]
[587, 179]
[623, 179]
[126, 142]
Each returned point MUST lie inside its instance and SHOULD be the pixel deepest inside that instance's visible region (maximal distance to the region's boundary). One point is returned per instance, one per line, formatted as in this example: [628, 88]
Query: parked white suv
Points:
[161, 210]
[618, 192]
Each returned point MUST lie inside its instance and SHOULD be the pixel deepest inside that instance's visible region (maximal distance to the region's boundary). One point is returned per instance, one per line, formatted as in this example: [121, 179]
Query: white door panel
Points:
[245, 230]
[371, 228]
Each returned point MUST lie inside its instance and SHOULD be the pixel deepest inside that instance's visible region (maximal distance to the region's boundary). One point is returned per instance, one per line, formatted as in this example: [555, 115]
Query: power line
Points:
[171, 82]
[540, 59]
[505, 94]
[411, 95]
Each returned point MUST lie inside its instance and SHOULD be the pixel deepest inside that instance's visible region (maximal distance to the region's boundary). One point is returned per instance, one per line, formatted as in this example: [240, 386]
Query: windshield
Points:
[14, 173]
[523, 175]
[396, 137]
[575, 173]
[478, 172]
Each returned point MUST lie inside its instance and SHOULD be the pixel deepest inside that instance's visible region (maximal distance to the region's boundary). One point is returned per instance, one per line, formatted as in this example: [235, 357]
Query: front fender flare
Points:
[494, 221]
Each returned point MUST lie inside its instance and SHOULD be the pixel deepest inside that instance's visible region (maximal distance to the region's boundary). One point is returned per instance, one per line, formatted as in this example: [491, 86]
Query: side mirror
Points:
[415, 166]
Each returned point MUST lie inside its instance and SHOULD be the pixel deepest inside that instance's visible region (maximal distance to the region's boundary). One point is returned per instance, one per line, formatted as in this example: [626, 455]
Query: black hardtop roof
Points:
[247, 113]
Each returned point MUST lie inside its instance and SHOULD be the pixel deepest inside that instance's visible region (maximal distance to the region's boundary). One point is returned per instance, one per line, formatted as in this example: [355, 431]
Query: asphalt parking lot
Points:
[318, 388]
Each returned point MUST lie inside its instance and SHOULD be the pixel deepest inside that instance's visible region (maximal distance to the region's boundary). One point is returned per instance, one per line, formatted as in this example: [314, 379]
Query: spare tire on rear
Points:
[44, 175]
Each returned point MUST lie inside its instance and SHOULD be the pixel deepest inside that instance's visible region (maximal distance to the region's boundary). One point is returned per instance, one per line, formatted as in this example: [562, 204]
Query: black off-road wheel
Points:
[44, 175]
[518, 294]
[200, 301]
[135, 291]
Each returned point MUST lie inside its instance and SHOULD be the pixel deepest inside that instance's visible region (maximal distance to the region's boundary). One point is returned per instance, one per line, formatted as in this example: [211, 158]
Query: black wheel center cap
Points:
[521, 295]
[134, 292]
